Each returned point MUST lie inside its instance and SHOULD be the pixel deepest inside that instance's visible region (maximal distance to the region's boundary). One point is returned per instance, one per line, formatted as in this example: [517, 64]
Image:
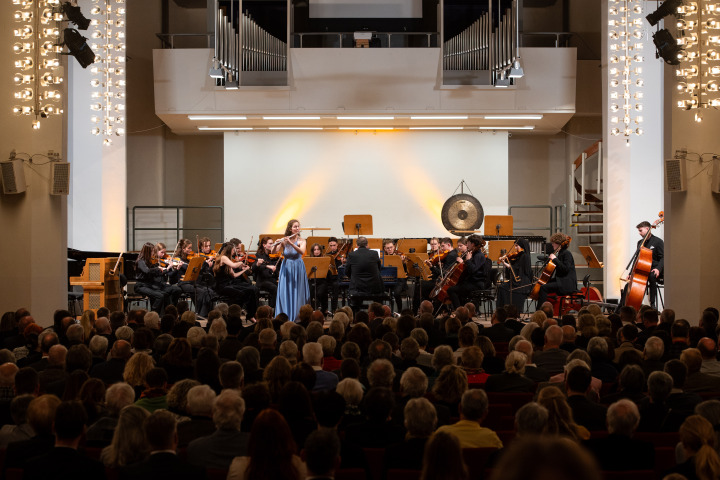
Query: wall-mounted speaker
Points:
[13, 176]
[59, 178]
[675, 175]
[716, 176]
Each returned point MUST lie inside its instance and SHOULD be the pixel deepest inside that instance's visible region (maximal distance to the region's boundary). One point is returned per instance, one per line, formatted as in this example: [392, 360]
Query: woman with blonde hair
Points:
[128, 444]
[697, 437]
[538, 317]
[87, 321]
[135, 370]
[449, 387]
[560, 418]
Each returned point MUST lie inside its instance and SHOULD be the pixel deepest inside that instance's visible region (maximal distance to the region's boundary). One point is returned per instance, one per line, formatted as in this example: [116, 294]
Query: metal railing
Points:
[179, 225]
[557, 218]
[345, 39]
[168, 39]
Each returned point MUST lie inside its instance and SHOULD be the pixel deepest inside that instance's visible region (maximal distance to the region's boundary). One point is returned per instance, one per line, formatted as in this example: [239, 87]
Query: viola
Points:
[547, 272]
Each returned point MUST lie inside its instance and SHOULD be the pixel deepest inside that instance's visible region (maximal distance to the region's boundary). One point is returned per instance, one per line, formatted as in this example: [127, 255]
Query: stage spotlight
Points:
[668, 7]
[78, 47]
[667, 46]
[516, 70]
[75, 15]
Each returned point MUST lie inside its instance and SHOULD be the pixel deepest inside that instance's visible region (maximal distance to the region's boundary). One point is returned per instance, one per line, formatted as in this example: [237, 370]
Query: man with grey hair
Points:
[111, 370]
[473, 410]
[267, 339]
[532, 371]
[117, 396]
[200, 399]
[421, 337]
[289, 350]
[652, 355]
[708, 350]
[328, 344]
[551, 358]
[218, 449]
[102, 327]
[619, 451]
[413, 384]
[654, 409]
[98, 347]
[75, 334]
[381, 373]
[420, 420]
[313, 356]
[531, 419]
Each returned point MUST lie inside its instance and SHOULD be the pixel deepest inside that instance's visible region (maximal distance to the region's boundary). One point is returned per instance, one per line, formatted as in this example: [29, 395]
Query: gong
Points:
[462, 212]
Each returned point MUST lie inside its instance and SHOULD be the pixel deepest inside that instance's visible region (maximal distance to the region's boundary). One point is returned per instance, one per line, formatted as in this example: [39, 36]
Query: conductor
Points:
[363, 268]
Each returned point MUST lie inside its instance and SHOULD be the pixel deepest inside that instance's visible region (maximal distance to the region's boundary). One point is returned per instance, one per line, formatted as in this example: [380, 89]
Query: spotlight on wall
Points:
[667, 46]
[75, 15]
[516, 70]
[668, 7]
[78, 47]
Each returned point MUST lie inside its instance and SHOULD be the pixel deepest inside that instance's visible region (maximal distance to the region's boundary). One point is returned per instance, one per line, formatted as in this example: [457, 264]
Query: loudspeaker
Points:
[715, 185]
[59, 178]
[675, 175]
[13, 176]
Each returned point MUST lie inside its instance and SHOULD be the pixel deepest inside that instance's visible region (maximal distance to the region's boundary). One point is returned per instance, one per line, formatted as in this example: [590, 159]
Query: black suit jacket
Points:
[161, 466]
[363, 268]
[63, 463]
[618, 452]
[565, 275]
[586, 413]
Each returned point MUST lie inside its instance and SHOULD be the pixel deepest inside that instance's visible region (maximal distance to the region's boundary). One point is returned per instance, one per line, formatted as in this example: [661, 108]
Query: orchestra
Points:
[456, 273]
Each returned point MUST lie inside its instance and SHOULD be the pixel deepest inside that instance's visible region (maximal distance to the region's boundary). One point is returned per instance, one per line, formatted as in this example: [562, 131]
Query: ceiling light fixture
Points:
[217, 117]
[366, 118]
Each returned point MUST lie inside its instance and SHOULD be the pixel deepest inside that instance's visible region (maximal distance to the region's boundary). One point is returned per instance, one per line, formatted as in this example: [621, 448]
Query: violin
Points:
[510, 256]
[340, 253]
[437, 258]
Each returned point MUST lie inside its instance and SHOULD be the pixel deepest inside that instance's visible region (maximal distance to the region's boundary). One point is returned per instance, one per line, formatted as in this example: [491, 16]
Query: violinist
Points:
[265, 269]
[564, 281]
[150, 280]
[474, 273]
[518, 271]
[434, 247]
[229, 281]
[318, 286]
[400, 288]
[332, 281]
[436, 255]
[207, 251]
[180, 264]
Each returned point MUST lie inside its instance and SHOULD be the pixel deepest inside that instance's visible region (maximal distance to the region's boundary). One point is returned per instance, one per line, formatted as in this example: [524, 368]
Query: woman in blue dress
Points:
[293, 291]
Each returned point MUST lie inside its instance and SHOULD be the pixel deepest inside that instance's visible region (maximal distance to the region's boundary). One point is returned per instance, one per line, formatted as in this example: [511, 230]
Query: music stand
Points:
[406, 245]
[317, 267]
[218, 246]
[416, 266]
[589, 255]
[497, 225]
[494, 247]
[358, 225]
[193, 270]
[395, 261]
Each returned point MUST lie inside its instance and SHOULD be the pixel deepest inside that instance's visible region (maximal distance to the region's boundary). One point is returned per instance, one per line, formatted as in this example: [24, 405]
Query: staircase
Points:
[587, 196]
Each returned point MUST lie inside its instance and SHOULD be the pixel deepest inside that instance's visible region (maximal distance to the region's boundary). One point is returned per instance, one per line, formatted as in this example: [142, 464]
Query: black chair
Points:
[484, 299]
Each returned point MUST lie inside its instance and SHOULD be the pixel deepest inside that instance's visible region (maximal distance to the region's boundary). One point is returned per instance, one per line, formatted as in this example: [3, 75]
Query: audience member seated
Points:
[378, 430]
[313, 356]
[697, 381]
[128, 444]
[532, 371]
[652, 355]
[154, 396]
[619, 451]
[200, 400]
[630, 385]
[321, 454]
[513, 379]
[473, 410]
[551, 358]
[443, 458]
[296, 407]
[447, 391]
[19, 429]
[117, 397]
[272, 451]
[531, 419]
[218, 449]
[420, 423]
[560, 418]
[40, 416]
[161, 434]
[63, 461]
[586, 413]
[698, 438]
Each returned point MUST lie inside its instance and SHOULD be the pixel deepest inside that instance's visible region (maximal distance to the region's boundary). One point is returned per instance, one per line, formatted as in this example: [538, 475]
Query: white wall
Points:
[402, 179]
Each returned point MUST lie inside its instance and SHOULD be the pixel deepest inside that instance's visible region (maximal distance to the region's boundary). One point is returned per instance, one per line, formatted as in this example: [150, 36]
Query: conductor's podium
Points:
[101, 286]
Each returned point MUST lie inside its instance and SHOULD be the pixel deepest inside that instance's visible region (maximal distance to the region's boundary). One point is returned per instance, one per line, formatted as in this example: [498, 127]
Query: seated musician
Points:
[400, 288]
[229, 281]
[332, 280]
[207, 251]
[265, 269]
[434, 246]
[199, 294]
[519, 276]
[439, 266]
[363, 268]
[474, 273]
[318, 287]
[564, 280]
[150, 280]
[658, 253]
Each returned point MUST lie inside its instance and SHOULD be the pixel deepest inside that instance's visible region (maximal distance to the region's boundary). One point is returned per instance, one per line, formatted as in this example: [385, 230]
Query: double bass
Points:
[548, 271]
[641, 268]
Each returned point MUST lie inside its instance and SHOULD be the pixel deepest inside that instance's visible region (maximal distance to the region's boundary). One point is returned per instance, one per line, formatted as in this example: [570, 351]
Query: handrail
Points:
[341, 35]
[588, 152]
[177, 228]
[549, 207]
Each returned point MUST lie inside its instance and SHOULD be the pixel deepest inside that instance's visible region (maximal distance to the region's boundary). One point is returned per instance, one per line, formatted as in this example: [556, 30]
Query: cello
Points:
[452, 277]
[638, 279]
[548, 271]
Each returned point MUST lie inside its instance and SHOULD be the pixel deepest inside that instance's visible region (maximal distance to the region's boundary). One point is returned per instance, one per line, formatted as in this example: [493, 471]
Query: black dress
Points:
[516, 291]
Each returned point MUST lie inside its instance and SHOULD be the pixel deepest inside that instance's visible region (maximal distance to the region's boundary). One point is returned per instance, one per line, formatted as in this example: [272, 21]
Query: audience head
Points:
[531, 419]
[420, 417]
[623, 417]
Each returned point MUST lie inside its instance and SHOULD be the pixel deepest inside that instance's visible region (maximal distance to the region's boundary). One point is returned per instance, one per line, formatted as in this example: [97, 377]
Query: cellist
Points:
[564, 281]
[473, 277]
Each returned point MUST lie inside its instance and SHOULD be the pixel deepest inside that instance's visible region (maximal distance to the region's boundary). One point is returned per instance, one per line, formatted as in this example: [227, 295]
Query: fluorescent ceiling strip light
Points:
[513, 117]
[290, 118]
[435, 128]
[507, 128]
[295, 128]
[367, 118]
[439, 117]
[365, 128]
[217, 117]
[224, 128]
